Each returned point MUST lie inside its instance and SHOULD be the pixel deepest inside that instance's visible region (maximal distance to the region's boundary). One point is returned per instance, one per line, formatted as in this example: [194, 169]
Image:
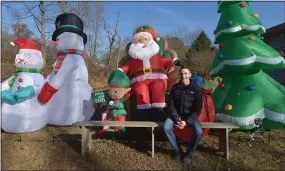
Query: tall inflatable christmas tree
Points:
[243, 59]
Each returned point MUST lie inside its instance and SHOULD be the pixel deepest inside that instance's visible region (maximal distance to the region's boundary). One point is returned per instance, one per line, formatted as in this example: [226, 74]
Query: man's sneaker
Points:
[176, 156]
[187, 159]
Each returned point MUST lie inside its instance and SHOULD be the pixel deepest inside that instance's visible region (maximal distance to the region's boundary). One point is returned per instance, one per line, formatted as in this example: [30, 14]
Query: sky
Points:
[165, 16]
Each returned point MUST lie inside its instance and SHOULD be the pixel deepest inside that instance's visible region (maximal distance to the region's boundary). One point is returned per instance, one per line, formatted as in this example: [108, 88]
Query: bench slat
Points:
[219, 125]
[150, 124]
[118, 123]
[213, 125]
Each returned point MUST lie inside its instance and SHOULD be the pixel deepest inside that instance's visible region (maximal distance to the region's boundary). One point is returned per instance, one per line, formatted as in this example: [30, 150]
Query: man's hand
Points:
[180, 124]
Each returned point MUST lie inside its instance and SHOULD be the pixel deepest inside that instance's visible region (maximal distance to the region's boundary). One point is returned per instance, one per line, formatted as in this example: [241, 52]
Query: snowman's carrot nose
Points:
[21, 59]
[53, 42]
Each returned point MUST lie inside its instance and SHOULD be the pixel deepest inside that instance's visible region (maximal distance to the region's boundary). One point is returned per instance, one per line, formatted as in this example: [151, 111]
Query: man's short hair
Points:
[184, 67]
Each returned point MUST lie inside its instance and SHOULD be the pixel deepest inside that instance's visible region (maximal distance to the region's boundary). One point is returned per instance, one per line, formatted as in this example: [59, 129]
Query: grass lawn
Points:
[58, 148]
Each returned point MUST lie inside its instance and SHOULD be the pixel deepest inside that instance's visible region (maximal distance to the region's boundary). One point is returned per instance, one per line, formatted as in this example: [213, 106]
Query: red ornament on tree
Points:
[243, 4]
[282, 53]
[222, 85]
[221, 46]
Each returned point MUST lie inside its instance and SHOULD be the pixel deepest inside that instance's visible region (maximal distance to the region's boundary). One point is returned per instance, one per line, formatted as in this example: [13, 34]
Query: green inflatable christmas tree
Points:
[242, 60]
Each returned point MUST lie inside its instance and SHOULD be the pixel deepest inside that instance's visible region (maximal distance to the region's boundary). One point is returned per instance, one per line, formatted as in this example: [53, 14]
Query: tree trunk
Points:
[63, 6]
[109, 60]
[43, 37]
[118, 51]
[95, 42]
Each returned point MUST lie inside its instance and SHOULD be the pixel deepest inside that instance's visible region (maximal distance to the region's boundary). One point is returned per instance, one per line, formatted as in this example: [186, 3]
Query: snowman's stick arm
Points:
[5, 84]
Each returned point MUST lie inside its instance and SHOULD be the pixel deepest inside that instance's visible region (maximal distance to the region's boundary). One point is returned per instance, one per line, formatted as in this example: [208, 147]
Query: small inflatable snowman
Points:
[21, 111]
[67, 92]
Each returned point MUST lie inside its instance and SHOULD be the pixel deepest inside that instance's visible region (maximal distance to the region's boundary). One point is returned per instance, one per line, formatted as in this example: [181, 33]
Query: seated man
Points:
[185, 105]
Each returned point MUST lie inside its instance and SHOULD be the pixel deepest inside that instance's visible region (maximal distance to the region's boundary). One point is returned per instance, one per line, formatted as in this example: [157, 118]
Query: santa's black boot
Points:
[142, 115]
[157, 115]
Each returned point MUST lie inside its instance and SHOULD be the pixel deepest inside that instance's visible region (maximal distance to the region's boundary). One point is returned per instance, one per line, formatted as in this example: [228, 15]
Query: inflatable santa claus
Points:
[147, 72]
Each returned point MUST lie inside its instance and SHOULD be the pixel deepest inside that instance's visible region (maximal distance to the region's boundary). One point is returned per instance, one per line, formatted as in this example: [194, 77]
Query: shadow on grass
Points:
[140, 140]
[72, 140]
[42, 152]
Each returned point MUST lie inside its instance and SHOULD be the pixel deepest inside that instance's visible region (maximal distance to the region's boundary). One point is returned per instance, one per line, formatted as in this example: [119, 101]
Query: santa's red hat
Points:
[27, 45]
[149, 32]
[146, 29]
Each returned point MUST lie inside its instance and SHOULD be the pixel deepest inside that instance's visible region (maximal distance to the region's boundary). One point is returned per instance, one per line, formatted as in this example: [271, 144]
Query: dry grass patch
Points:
[39, 151]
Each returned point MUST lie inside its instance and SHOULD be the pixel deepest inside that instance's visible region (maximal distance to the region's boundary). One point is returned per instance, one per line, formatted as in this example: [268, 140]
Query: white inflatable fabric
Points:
[72, 101]
[21, 111]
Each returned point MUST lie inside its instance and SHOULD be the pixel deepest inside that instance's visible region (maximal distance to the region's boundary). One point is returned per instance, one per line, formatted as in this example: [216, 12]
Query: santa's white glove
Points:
[111, 102]
[113, 105]
[179, 62]
[110, 105]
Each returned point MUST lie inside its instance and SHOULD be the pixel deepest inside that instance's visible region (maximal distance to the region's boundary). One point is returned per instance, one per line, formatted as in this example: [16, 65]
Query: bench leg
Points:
[224, 142]
[86, 141]
[152, 142]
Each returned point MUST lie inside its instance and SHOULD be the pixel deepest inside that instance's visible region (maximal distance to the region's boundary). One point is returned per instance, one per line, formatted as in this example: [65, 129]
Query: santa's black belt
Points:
[148, 70]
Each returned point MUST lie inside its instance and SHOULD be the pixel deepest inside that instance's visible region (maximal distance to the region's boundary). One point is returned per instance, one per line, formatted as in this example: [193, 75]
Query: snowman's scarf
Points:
[62, 54]
[18, 71]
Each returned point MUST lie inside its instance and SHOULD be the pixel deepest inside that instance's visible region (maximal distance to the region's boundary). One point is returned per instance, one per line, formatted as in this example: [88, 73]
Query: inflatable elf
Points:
[115, 110]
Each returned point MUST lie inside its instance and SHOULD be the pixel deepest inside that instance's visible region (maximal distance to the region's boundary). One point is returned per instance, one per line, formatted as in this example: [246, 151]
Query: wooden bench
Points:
[86, 145]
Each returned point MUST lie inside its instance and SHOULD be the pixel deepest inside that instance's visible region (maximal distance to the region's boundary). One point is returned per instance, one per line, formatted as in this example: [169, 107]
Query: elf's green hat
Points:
[119, 78]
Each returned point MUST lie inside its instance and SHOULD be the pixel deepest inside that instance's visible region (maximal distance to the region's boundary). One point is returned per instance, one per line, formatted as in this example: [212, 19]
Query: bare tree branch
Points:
[6, 4]
[117, 22]
[112, 38]
[49, 4]
[47, 39]
[63, 6]
[49, 10]
[22, 18]
[30, 11]
[38, 28]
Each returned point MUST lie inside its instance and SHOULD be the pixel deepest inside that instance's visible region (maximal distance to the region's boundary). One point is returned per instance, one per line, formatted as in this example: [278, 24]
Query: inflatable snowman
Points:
[67, 92]
[21, 111]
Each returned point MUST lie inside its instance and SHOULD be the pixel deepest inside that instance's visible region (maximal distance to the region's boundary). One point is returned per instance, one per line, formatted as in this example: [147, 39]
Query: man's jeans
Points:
[194, 141]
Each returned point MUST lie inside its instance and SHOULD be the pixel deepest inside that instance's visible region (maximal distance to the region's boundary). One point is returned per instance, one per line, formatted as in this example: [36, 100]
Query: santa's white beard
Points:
[138, 52]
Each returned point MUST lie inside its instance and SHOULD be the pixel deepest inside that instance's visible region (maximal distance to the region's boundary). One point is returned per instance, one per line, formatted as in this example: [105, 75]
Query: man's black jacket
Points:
[185, 102]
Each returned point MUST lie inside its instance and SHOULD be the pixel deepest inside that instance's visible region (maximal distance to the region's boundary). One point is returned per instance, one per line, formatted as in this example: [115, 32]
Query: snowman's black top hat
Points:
[69, 22]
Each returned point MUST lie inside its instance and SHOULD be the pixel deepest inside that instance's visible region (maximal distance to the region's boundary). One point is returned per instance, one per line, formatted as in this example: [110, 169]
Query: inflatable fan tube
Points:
[207, 115]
